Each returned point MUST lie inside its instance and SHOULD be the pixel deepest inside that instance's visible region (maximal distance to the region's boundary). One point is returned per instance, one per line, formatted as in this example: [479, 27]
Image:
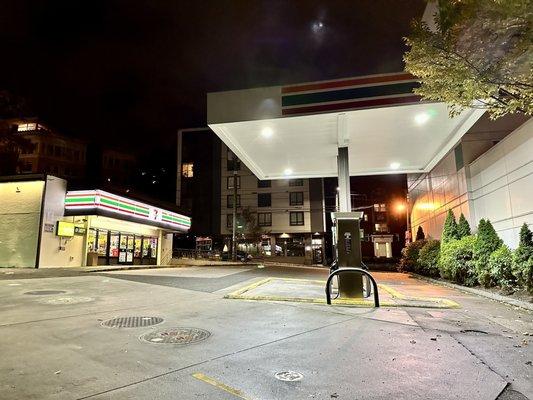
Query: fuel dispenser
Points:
[348, 265]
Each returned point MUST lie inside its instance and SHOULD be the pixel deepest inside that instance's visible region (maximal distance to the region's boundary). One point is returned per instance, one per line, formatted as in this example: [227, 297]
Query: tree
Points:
[523, 259]
[450, 230]
[500, 267]
[420, 235]
[463, 227]
[11, 142]
[247, 227]
[480, 54]
[487, 241]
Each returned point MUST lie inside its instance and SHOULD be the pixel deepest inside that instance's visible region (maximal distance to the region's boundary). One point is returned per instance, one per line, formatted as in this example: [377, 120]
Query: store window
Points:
[230, 180]
[187, 170]
[296, 198]
[296, 218]
[264, 184]
[264, 219]
[102, 243]
[264, 200]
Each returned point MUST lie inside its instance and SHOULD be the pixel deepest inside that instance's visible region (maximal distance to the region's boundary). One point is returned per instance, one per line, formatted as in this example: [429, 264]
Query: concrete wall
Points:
[502, 184]
[20, 210]
[59, 251]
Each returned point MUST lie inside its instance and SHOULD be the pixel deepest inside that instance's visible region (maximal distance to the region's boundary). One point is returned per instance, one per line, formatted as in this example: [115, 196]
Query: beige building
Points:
[290, 212]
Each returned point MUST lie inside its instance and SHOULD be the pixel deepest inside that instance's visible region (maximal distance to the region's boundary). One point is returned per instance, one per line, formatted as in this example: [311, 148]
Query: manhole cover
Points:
[177, 336]
[66, 300]
[132, 322]
[45, 292]
[289, 376]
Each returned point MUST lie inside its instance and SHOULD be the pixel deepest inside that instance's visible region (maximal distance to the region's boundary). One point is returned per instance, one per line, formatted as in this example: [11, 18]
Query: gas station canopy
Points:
[295, 131]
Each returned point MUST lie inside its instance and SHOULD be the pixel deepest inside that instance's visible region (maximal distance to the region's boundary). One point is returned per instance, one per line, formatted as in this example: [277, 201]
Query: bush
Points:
[456, 261]
[500, 267]
[428, 258]
[463, 227]
[487, 241]
[409, 260]
[449, 231]
[523, 259]
[420, 235]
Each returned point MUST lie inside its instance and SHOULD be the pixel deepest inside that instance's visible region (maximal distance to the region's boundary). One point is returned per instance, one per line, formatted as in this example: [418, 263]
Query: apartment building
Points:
[51, 153]
[289, 213]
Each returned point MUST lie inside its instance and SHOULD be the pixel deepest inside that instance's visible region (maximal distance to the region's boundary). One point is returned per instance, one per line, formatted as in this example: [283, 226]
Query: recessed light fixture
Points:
[394, 165]
[422, 118]
[287, 171]
[267, 132]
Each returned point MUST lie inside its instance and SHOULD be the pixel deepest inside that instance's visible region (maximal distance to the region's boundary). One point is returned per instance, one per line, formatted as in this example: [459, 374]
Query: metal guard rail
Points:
[359, 270]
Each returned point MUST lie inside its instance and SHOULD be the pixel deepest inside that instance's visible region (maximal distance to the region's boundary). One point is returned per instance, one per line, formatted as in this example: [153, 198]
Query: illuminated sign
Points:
[64, 228]
[88, 200]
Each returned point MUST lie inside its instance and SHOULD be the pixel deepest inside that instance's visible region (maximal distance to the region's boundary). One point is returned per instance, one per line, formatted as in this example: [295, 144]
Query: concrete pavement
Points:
[54, 345]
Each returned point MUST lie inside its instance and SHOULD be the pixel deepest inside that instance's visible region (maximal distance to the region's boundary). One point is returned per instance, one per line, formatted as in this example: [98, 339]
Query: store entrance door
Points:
[125, 254]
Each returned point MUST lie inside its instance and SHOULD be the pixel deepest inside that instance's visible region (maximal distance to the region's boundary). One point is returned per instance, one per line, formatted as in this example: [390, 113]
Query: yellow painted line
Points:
[235, 392]
[435, 302]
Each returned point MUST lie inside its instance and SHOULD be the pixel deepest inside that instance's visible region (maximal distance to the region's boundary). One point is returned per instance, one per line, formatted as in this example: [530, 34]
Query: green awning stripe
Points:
[125, 206]
[79, 200]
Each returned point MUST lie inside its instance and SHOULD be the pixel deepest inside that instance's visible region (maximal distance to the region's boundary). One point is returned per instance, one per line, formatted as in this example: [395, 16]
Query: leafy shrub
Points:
[523, 259]
[463, 227]
[409, 260]
[420, 235]
[449, 231]
[487, 241]
[456, 261]
[500, 267]
[428, 258]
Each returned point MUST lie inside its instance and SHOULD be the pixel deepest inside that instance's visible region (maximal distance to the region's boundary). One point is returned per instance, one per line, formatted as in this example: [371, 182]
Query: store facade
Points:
[81, 228]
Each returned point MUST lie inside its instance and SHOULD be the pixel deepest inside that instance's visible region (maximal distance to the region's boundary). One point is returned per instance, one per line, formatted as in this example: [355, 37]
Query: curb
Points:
[479, 292]
[135, 267]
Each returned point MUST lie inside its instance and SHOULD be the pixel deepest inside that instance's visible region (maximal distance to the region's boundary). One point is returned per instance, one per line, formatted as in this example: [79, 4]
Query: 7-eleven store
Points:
[124, 231]
[44, 225]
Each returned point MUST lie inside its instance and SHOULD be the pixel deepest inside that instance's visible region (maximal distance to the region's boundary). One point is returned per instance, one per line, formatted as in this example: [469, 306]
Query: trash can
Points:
[92, 259]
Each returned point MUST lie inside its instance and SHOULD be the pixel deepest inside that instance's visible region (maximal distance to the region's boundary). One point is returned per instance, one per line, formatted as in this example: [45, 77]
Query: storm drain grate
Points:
[132, 322]
[45, 292]
[181, 336]
[289, 376]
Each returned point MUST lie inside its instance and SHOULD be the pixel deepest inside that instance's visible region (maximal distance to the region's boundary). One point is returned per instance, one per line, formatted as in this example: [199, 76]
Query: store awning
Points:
[99, 202]
[293, 131]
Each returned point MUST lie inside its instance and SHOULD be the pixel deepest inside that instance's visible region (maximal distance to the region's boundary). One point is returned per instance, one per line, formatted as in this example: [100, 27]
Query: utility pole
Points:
[234, 225]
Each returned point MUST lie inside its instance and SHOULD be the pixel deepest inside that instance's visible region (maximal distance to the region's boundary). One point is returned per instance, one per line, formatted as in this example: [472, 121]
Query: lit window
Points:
[26, 127]
[381, 228]
[187, 170]
[380, 207]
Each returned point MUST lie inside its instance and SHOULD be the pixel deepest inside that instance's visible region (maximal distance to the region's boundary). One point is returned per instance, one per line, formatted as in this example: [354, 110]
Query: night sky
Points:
[131, 72]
